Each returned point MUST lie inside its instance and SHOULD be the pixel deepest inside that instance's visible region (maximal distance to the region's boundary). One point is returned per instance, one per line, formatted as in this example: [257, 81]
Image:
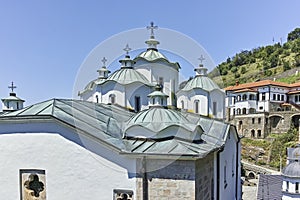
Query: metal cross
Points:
[152, 27]
[201, 59]
[12, 87]
[104, 61]
[127, 49]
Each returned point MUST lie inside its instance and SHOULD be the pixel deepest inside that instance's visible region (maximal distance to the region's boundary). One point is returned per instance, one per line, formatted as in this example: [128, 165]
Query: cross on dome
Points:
[12, 87]
[104, 60]
[201, 59]
[127, 49]
[151, 28]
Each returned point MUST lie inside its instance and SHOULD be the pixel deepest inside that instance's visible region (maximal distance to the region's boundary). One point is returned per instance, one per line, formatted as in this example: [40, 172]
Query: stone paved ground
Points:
[249, 192]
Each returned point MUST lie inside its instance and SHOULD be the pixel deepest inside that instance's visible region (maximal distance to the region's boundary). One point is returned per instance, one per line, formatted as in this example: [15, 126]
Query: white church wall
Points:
[228, 164]
[218, 97]
[113, 88]
[202, 97]
[72, 171]
[137, 89]
[159, 70]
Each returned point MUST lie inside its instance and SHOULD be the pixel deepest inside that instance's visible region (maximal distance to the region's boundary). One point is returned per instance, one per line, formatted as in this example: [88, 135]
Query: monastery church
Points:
[135, 134]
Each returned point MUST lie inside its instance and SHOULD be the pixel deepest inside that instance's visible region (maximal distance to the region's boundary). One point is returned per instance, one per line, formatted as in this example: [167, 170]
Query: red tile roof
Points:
[256, 84]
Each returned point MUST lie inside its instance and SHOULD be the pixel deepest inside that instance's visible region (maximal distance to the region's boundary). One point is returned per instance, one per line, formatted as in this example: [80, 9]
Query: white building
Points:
[98, 148]
[202, 96]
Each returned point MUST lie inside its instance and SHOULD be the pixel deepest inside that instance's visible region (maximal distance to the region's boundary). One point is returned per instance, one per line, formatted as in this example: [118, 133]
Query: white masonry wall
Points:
[72, 171]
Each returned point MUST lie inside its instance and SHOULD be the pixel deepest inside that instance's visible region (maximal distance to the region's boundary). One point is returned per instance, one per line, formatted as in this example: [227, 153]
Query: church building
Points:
[133, 135]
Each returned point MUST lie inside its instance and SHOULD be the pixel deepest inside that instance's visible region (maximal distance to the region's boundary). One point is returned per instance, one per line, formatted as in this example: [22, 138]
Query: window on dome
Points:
[161, 81]
[196, 106]
[137, 103]
[112, 98]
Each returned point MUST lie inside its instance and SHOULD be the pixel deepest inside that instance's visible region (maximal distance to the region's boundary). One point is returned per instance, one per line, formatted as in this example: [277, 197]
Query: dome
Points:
[126, 76]
[202, 82]
[296, 154]
[292, 170]
[151, 55]
[157, 118]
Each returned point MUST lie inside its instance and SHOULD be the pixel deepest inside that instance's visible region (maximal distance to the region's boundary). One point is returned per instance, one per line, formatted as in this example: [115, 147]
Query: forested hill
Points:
[279, 61]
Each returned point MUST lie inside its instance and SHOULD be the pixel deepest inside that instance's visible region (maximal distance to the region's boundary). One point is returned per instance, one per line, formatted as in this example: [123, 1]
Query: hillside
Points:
[280, 61]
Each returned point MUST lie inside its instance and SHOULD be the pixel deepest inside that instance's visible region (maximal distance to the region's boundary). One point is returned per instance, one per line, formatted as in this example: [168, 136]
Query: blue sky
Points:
[43, 43]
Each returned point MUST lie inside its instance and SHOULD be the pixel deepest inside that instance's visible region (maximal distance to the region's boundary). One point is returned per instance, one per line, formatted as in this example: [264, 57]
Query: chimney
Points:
[237, 83]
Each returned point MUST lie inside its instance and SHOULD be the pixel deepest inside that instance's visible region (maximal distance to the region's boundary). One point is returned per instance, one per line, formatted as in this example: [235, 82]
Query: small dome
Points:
[152, 55]
[292, 170]
[296, 154]
[126, 76]
[202, 82]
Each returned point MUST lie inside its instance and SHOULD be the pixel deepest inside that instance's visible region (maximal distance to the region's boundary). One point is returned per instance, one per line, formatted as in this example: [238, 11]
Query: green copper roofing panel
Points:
[152, 55]
[12, 98]
[35, 109]
[157, 119]
[202, 82]
[126, 76]
[157, 93]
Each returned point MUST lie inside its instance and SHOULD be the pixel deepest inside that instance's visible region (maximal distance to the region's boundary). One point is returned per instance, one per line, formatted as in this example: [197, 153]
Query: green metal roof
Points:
[202, 82]
[12, 98]
[106, 123]
[126, 76]
[158, 119]
[157, 94]
[153, 55]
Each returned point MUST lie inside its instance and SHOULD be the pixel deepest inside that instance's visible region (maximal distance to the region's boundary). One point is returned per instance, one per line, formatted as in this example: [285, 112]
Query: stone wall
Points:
[178, 180]
[204, 184]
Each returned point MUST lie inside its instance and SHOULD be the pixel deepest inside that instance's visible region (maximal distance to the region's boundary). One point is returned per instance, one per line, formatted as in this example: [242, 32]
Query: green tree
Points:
[294, 34]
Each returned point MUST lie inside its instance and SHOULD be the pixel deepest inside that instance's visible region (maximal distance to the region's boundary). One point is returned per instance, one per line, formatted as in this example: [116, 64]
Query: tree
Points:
[294, 34]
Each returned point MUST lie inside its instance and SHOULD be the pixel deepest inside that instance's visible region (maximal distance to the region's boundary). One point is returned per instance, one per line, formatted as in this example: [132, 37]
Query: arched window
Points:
[238, 111]
[252, 97]
[137, 103]
[259, 133]
[239, 98]
[244, 97]
[252, 133]
[244, 111]
[97, 99]
[112, 98]
[196, 106]
[182, 104]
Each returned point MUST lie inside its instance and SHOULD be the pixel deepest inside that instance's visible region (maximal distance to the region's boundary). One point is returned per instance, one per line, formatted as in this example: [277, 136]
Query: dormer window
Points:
[112, 98]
